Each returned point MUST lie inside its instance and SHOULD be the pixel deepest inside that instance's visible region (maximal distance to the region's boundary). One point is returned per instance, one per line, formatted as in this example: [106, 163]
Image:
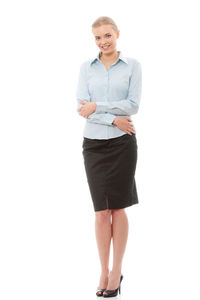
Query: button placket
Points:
[107, 74]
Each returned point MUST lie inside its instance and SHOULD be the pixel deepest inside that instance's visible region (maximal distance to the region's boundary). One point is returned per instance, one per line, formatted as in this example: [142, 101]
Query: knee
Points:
[103, 215]
[118, 211]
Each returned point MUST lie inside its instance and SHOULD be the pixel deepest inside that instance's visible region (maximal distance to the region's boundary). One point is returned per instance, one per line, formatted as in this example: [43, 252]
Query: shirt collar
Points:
[121, 56]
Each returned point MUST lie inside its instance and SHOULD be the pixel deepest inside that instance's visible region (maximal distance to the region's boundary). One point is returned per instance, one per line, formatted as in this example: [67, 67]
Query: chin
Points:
[108, 51]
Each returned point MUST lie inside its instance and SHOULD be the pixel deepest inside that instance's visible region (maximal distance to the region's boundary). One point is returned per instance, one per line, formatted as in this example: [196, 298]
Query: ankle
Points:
[116, 271]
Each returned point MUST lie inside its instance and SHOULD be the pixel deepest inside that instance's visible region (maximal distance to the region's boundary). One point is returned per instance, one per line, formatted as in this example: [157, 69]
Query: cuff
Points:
[110, 118]
[100, 107]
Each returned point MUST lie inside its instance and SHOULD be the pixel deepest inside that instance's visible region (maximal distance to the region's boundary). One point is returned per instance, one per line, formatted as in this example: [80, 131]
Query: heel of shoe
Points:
[120, 284]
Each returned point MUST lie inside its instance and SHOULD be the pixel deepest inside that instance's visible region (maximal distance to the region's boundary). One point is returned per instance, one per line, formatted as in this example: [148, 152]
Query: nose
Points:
[103, 42]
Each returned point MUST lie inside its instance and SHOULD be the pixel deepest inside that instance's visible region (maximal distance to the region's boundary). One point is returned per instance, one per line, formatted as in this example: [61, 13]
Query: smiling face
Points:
[106, 38]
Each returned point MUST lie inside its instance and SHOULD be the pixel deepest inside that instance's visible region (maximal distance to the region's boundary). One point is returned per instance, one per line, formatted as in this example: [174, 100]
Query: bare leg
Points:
[103, 238]
[120, 236]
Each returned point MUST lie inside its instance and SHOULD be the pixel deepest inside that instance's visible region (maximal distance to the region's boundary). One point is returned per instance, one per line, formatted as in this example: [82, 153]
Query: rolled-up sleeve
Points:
[130, 105]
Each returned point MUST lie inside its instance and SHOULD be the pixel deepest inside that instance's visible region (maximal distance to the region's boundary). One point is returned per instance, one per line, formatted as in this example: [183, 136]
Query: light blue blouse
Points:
[116, 91]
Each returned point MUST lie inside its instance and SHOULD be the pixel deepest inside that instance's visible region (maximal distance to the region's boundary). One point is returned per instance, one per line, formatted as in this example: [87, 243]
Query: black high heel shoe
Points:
[99, 292]
[113, 293]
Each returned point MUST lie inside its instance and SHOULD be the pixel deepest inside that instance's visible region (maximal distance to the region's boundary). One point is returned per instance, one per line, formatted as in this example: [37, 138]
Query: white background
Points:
[48, 248]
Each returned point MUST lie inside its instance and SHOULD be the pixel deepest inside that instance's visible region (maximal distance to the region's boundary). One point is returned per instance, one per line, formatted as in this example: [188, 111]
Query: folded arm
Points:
[99, 118]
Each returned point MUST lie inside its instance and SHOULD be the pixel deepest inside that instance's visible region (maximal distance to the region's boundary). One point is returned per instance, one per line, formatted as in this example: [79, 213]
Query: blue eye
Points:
[108, 35]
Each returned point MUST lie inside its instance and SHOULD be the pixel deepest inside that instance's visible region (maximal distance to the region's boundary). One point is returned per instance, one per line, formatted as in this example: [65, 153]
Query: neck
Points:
[109, 57]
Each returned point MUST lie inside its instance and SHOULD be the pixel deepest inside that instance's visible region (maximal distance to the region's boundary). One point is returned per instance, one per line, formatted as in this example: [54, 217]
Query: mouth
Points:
[105, 47]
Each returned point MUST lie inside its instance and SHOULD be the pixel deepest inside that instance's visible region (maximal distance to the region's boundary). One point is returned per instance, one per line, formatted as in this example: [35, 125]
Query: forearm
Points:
[101, 118]
[122, 107]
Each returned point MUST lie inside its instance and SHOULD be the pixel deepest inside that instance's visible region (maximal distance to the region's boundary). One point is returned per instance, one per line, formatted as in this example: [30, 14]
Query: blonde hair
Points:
[104, 20]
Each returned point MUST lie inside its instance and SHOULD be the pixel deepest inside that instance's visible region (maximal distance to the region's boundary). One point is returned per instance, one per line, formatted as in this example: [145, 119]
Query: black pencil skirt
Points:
[110, 166]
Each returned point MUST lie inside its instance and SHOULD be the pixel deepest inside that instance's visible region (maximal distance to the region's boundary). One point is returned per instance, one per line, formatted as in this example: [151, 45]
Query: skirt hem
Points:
[121, 207]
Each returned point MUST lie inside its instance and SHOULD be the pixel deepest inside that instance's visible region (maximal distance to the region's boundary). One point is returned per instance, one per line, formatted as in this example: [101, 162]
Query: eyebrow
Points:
[104, 34]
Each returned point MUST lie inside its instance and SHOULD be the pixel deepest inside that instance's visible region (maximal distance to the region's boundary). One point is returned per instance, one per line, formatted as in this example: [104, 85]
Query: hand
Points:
[87, 108]
[125, 124]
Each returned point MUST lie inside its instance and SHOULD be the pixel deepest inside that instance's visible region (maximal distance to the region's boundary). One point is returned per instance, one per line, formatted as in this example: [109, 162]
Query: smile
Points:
[105, 47]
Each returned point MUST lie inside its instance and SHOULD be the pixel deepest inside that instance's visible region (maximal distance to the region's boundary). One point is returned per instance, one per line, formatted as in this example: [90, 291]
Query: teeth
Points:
[105, 47]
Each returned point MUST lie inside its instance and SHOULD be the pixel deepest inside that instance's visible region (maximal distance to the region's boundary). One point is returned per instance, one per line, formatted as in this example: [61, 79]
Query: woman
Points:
[108, 93]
